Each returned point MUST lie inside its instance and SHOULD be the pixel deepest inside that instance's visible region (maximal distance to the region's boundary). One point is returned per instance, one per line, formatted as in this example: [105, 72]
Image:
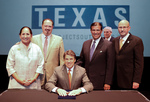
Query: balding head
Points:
[124, 22]
[123, 28]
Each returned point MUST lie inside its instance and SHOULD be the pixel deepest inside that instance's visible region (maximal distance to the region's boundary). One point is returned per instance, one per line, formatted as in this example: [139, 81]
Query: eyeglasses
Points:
[124, 27]
[107, 31]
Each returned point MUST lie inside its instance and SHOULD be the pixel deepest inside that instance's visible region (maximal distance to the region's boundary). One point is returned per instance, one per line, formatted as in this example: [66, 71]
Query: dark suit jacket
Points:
[129, 61]
[110, 39]
[60, 79]
[101, 67]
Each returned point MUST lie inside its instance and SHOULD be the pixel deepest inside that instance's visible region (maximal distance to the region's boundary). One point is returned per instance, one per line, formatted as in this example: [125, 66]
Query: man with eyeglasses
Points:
[129, 57]
[107, 33]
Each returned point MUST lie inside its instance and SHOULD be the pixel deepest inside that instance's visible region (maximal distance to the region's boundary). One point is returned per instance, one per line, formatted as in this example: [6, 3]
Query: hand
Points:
[106, 87]
[21, 81]
[24, 82]
[27, 83]
[62, 92]
[135, 85]
[75, 92]
[31, 80]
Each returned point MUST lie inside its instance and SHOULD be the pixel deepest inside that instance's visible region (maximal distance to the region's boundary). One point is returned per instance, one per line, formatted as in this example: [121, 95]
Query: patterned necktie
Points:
[121, 43]
[69, 77]
[92, 50]
[45, 46]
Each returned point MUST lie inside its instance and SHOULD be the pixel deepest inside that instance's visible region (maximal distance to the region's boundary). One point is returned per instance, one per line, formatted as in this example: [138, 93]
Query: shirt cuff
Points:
[83, 90]
[54, 89]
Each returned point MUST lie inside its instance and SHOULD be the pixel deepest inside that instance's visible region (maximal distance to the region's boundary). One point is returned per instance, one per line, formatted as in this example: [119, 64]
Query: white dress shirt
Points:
[124, 38]
[96, 42]
[108, 38]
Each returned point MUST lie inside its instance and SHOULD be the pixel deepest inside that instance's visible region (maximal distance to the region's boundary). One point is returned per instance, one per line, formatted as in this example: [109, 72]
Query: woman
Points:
[25, 63]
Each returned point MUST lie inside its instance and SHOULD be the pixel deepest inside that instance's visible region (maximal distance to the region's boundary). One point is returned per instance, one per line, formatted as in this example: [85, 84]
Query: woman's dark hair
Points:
[25, 27]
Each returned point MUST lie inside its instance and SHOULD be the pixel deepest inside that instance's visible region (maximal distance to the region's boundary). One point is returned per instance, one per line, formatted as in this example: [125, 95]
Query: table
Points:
[29, 95]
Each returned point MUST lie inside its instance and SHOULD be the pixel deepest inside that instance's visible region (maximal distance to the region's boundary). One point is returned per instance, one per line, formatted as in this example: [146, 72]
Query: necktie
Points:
[121, 43]
[69, 76]
[92, 50]
[45, 47]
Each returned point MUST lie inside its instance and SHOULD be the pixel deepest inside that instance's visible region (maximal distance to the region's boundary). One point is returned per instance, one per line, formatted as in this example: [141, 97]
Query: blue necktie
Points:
[92, 50]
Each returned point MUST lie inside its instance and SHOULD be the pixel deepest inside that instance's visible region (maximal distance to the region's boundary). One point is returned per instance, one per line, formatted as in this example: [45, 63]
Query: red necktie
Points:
[45, 47]
[69, 76]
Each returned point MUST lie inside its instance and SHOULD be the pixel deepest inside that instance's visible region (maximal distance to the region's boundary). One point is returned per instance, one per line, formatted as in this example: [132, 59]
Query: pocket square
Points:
[101, 51]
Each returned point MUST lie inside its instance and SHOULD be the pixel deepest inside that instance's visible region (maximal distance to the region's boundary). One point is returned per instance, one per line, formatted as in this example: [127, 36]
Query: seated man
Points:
[69, 77]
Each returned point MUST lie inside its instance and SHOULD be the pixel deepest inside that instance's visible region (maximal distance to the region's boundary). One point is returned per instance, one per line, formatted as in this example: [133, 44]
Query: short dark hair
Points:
[49, 20]
[69, 52]
[96, 24]
[25, 27]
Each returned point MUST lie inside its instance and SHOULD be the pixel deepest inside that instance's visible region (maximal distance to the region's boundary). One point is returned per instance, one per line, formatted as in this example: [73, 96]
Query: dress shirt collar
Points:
[70, 69]
[96, 41]
[108, 38]
[125, 38]
[48, 39]
[43, 36]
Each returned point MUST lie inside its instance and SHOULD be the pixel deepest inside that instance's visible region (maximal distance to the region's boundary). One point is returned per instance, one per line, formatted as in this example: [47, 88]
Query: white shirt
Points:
[71, 72]
[96, 42]
[124, 38]
[48, 39]
[108, 38]
[25, 62]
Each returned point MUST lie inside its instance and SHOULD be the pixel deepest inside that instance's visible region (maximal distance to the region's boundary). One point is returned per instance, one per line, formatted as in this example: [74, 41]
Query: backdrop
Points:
[72, 19]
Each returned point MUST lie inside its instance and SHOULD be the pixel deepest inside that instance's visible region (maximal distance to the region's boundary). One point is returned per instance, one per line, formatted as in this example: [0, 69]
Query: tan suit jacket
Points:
[60, 79]
[54, 55]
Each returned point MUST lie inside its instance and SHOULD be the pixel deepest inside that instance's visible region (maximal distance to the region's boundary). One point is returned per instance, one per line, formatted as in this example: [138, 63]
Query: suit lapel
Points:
[88, 49]
[100, 44]
[65, 74]
[127, 42]
[117, 45]
[52, 40]
[66, 79]
[75, 72]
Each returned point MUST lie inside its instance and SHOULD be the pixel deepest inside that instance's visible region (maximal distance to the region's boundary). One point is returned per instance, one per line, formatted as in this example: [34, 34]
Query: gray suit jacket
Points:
[60, 79]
